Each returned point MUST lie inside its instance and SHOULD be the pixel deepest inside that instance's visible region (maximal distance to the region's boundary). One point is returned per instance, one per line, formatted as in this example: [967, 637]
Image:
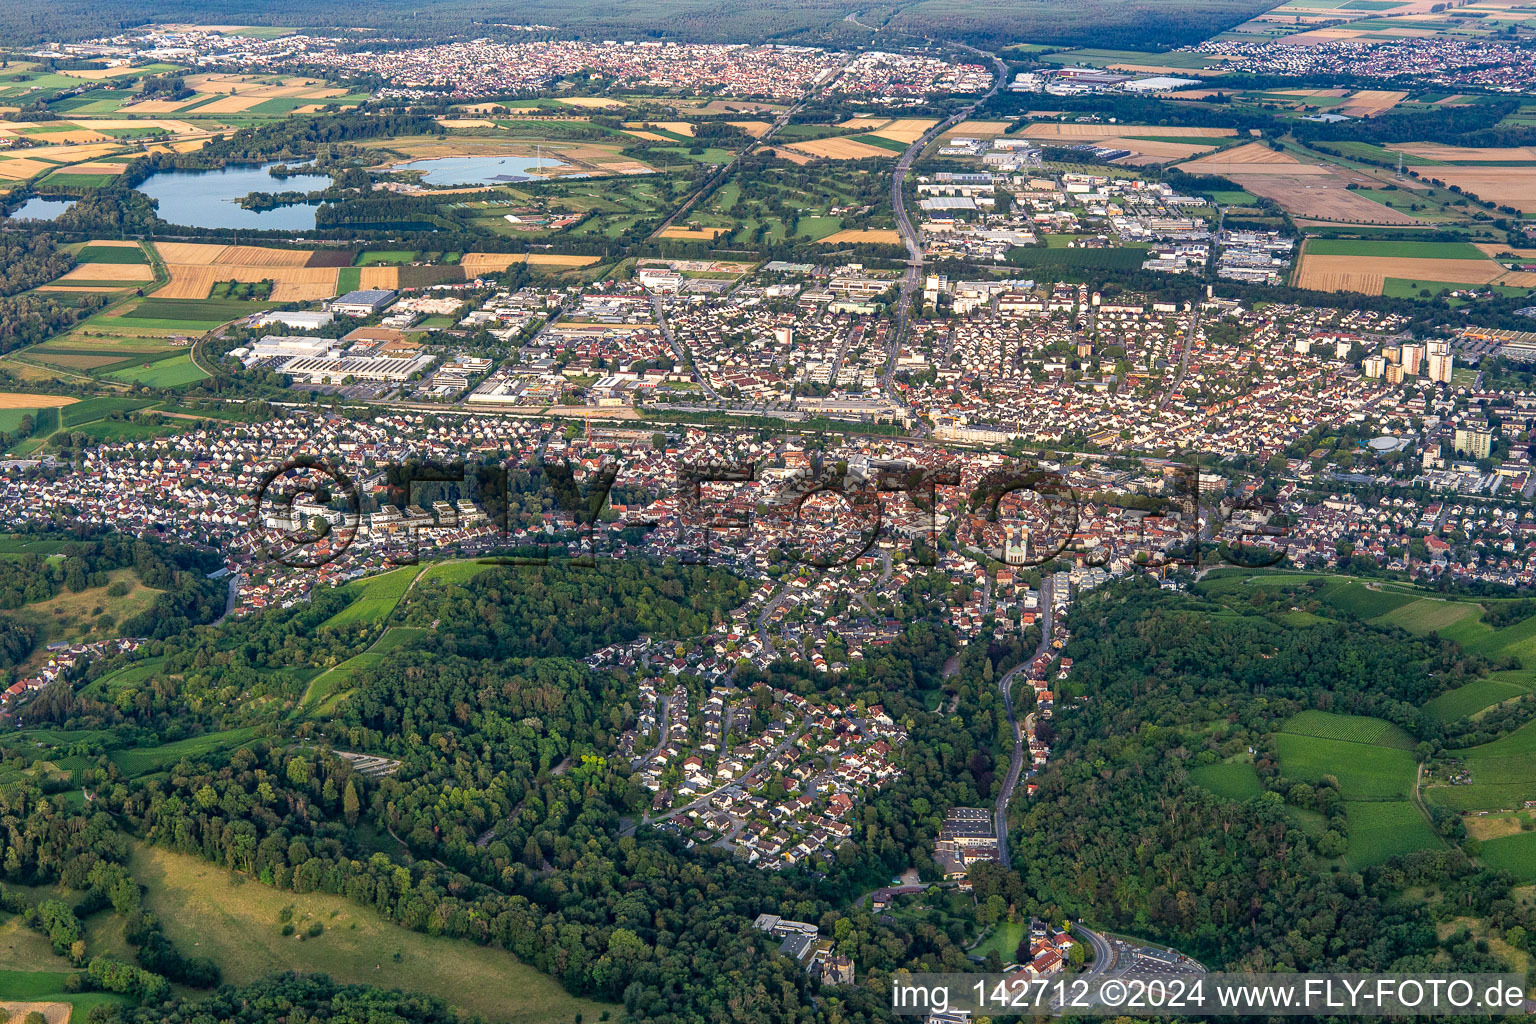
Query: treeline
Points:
[1120, 831]
[28, 260]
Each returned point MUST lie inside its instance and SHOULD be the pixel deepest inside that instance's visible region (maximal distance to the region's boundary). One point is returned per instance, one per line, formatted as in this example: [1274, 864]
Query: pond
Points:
[41, 209]
[477, 170]
[211, 199]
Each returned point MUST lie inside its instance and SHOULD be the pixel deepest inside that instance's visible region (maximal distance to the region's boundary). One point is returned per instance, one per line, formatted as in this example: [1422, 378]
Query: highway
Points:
[1005, 689]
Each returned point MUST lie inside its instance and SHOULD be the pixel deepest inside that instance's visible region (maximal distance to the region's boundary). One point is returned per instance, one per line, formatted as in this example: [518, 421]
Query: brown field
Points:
[97, 74]
[54, 1013]
[888, 236]
[475, 263]
[16, 169]
[69, 136]
[110, 272]
[866, 122]
[114, 243]
[233, 104]
[379, 277]
[589, 101]
[1320, 196]
[906, 129]
[1091, 132]
[756, 129]
[189, 252]
[1506, 186]
[1366, 274]
[11, 400]
[195, 268]
[1462, 154]
[1254, 157]
[1313, 37]
[676, 127]
[466, 122]
[844, 148]
[1370, 102]
[790, 155]
[261, 256]
[1493, 249]
[978, 129]
[1146, 151]
[96, 167]
[647, 136]
[693, 234]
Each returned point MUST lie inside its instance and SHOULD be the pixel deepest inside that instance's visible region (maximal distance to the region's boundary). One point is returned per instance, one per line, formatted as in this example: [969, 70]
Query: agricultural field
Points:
[1514, 853]
[375, 597]
[1476, 696]
[235, 920]
[1503, 774]
[1365, 265]
[1376, 776]
[136, 761]
[1235, 780]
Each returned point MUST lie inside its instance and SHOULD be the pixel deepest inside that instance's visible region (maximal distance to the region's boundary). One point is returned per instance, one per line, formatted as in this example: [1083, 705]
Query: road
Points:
[726, 169]
[914, 275]
[1185, 349]
[684, 358]
[1105, 958]
[747, 778]
[1005, 688]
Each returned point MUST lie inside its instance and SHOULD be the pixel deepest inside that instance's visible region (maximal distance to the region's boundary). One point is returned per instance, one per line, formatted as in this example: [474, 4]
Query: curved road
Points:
[1016, 767]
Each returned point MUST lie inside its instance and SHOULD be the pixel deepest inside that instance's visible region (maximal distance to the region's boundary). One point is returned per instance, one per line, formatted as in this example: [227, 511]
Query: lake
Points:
[477, 170]
[41, 209]
[211, 199]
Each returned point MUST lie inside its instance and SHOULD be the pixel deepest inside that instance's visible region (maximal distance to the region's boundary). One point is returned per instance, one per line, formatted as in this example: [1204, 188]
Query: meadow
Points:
[1235, 780]
[375, 597]
[1376, 777]
[235, 920]
[136, 761]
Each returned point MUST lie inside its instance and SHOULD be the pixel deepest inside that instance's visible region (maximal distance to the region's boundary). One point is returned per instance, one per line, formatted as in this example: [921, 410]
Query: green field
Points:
[1364, 769]
[1481, 693]
[174, 372]
[330, 685]
[1395, 249]
[112, 254]
[375, 597]
[383, 257]
[234, 920]
[135, 761]
[193, 312]
[1382, 829]
[1503, 774]
[1004, 940]
[1515, 854]
[1351, 728]
[1235, 780]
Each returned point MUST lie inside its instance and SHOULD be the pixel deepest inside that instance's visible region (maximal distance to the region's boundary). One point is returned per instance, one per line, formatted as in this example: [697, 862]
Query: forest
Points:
[510, 824]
